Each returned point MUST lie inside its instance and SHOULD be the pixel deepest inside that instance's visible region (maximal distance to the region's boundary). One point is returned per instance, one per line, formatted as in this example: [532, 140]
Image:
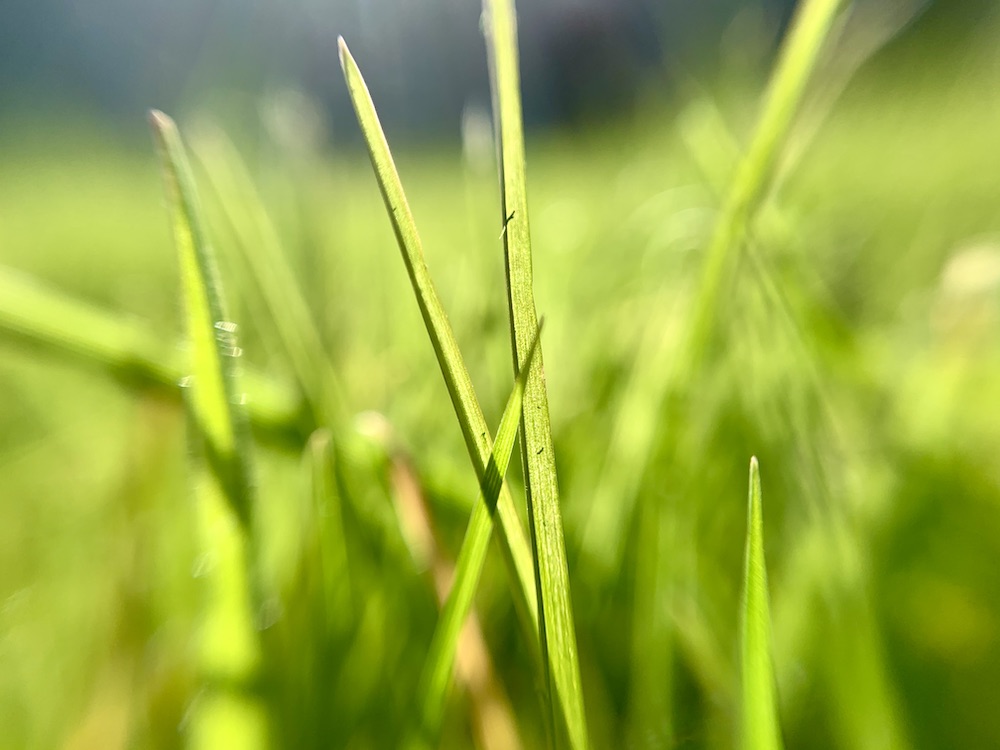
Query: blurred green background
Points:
[857, 355]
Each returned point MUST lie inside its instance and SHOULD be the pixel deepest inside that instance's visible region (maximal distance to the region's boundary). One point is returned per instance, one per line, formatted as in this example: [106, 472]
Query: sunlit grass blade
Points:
[799, 56]
[557, 632]
[127, 348]
[286, 312]
[214, 395]
[517, 553]
[759, 729]
[227, 712]
[441, 656]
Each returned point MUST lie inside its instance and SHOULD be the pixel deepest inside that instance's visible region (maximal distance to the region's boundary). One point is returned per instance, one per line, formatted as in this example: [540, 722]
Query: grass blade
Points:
[517, 554]
[799, 56]
[227, 713]
[441, 655]
[286, 311]
[214, 398]
[557, 634]
[759, 712]
[127, 348]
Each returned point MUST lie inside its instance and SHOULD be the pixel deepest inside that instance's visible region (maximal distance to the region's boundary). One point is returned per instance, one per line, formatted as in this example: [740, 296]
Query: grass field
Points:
[855, 351]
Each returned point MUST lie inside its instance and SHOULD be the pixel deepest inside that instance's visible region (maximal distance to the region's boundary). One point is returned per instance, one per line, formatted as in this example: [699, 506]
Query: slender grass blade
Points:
[557, 633]
[126, 348]
[759, 727]
[517, 553]
[441, 656]
[227, 713]
[214, 395]
[799, 57]
[289, 320]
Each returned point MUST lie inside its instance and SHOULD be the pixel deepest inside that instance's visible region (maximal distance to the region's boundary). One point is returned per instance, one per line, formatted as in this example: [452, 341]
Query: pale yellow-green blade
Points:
[759, 728]
[557, 632]
[227, 712]
[439, 667]
[479, 444]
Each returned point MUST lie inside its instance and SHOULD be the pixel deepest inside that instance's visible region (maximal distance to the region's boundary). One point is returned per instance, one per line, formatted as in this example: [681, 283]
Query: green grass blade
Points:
[227, 713]
[629, 459]
[126, 348]
[214, 397]
[286, 312]
[441, 656]
[557, 633]
[759, 727]
[328, 545]
[798, 59]
[517, 553]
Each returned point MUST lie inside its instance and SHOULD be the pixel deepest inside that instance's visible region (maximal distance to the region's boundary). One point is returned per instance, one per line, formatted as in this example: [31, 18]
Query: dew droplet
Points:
[269, 613]
[185, 382]
[202, 565]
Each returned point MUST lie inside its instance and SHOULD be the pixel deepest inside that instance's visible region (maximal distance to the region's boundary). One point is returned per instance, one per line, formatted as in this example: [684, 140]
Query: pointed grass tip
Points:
[342, 50]
[754, 479]
[156, 117]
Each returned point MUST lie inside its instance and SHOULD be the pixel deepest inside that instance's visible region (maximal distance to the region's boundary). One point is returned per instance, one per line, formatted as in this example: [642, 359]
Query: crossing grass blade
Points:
[214, 395]
[754, 175]
[799, 56]
[759, 727]
[557, 631]
[441, 655]
[126, 348]
[289, 321]
[226, 713]
[517, 554]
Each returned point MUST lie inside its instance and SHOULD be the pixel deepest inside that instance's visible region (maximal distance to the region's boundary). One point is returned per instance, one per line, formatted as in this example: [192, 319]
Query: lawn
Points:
[854, 349]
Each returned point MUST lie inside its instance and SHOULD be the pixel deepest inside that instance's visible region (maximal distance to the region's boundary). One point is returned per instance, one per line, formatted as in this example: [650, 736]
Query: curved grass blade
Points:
[126, 348]
[800, 54]
[759, 727]
[799, 57]
[286, 314]
[227, 713]
[213, 396]
[517, 554]
[557, 634]
[441, 656]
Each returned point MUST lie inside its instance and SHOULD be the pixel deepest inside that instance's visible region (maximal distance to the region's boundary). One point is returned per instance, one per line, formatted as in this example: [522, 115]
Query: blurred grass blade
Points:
[441, 656]
[759, 727]
[215, 401]
[799, 56]
[227, 713]
[557, 633]
[800, 53]
[517, 553]
[125, 347]
[286, 313]
[327, 543]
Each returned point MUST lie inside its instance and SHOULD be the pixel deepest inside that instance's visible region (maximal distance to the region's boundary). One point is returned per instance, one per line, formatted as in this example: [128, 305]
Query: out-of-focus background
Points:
[857, 354]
